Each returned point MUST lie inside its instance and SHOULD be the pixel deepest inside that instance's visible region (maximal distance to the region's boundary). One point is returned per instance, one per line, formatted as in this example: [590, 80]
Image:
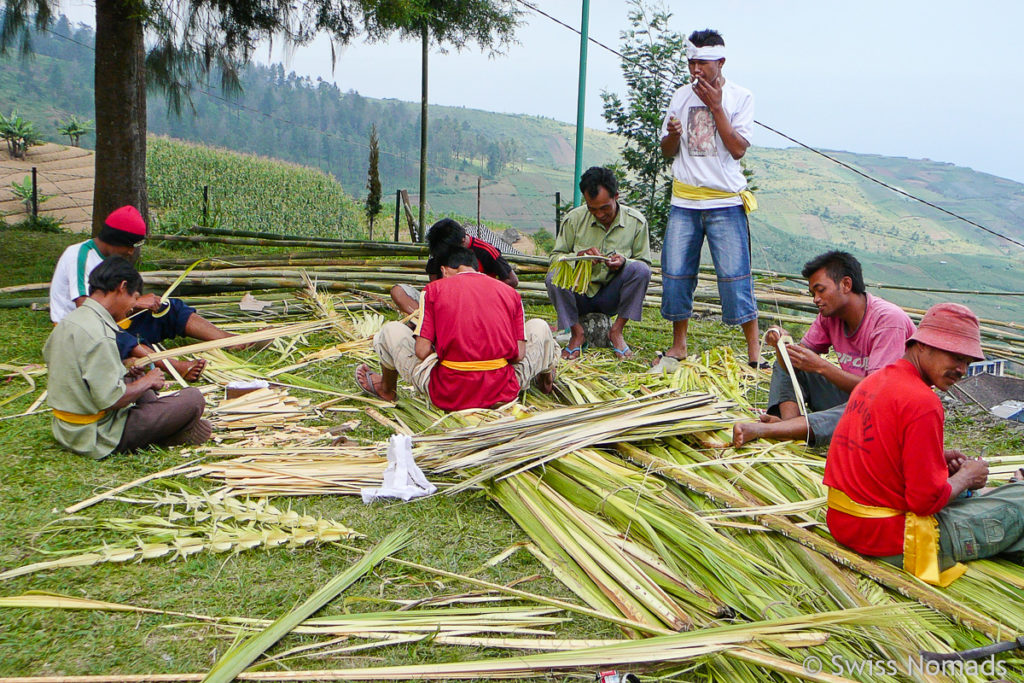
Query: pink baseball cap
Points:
[951, 327]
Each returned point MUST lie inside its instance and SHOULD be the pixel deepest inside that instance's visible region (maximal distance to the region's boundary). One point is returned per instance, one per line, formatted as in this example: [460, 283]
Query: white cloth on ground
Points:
[403, 478]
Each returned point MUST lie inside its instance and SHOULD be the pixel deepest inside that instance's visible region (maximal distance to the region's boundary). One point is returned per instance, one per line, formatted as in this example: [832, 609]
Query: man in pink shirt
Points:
[867, 334]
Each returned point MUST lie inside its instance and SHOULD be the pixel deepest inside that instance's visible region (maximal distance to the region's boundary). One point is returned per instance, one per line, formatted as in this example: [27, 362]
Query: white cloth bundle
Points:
[403, 478]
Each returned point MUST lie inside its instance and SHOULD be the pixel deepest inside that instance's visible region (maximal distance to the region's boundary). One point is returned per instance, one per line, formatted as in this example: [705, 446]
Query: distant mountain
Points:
[808, 204]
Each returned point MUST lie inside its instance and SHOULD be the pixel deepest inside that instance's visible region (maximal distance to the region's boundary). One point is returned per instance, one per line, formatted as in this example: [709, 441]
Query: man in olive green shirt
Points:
[95, 411]
[603, 227]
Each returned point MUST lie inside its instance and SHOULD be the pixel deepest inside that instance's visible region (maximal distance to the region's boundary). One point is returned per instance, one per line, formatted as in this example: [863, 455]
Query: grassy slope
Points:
[39, 479]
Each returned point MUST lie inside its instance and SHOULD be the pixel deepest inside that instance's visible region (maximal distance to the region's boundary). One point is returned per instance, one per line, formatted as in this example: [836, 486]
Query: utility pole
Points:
[423, 134]
[581, 101]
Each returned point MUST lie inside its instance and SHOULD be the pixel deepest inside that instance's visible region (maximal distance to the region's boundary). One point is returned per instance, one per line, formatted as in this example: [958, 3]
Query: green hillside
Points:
[808, 204]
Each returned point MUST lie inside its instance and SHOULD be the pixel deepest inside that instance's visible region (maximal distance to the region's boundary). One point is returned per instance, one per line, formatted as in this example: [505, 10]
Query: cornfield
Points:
[257, 194]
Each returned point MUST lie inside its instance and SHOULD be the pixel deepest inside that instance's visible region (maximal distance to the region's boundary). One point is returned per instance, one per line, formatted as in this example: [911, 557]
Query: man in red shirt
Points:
[471, 349]
[894, 491]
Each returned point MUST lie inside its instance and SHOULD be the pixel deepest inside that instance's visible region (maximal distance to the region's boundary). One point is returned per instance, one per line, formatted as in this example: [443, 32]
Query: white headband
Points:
[709, 53]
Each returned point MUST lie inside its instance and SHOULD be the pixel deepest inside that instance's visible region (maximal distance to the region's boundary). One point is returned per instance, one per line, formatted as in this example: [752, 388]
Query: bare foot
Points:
[373, 383]
[744, 432]
[677, 352]
[190, 371]
[545, 381]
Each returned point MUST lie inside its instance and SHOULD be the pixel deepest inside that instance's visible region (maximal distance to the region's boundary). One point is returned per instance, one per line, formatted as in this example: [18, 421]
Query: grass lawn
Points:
[38, 479]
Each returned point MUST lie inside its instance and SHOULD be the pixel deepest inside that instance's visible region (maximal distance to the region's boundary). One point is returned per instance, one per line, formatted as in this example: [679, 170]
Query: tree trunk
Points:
[120, 111]
[423, 135]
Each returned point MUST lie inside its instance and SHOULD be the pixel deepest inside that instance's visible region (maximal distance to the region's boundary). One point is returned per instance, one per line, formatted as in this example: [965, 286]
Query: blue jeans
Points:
[729, 240]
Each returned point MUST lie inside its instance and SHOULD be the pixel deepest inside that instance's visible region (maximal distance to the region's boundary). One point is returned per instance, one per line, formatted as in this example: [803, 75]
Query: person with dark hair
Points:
[706, 131]
[867, 333]
[471, 348]
[894, 491]
[618, 284]
[122, 234]
[97, 409]
[443, 236]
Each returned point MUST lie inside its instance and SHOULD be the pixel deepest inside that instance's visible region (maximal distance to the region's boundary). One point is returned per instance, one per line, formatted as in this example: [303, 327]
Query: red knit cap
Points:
[124, 227]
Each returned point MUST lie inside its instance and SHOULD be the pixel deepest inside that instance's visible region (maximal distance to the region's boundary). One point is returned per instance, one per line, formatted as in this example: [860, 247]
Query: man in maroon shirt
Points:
[894, 491]
[472, 348]
[444, 235]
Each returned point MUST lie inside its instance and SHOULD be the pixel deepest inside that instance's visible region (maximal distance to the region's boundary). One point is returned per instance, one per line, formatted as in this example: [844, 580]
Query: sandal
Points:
[369, 387]
[574, 352]
[759, 365]
[624, 352]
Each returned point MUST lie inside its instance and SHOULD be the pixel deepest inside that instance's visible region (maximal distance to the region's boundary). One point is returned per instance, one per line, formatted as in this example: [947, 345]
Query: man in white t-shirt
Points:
[122, 234]
[706, 131]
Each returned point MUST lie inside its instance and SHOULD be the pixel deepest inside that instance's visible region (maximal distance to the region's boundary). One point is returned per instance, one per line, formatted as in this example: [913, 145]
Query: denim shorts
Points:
[729, 240]
[145, 329]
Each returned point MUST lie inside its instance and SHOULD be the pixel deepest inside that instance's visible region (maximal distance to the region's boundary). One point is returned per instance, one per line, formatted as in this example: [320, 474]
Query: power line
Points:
[781, 134]
[272, 117]
[621, 56]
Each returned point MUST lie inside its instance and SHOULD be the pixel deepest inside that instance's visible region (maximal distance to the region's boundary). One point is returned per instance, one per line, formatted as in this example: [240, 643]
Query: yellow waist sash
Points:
[920, 538]
[78, 419]
[475, 365]
[694, 193]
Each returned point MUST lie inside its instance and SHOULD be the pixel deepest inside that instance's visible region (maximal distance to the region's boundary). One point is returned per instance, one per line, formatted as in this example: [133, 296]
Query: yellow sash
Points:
[475, 365]
[694, 193]
[76, 418]
[125, 323]
[920, 538]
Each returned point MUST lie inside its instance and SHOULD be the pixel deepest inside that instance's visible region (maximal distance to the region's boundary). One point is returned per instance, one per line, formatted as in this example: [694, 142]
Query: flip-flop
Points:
[572, 353]
[368, 388]
[759, 365]
[666, 354]
[624, 352]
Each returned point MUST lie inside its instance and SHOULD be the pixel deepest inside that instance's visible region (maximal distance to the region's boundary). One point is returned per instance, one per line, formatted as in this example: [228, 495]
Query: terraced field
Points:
[65, 173]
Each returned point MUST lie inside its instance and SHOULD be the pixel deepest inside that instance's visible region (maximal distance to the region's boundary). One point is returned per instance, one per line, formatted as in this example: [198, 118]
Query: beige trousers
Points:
[396, 348]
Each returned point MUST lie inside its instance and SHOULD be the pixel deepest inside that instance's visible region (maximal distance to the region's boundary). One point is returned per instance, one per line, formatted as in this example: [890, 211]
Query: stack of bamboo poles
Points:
[357, 268]
[293, 470]
[270, 408]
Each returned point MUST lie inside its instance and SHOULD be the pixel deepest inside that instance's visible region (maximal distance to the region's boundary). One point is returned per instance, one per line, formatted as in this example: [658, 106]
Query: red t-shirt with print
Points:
[887, 451]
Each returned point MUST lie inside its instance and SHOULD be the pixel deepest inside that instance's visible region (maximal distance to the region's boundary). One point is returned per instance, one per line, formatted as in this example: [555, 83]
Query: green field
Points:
[245, 193]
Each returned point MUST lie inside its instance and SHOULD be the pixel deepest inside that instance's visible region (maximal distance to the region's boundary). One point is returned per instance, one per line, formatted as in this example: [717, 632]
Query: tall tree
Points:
[653, 66]
[490, 24]
[189, 37]
[373, 180]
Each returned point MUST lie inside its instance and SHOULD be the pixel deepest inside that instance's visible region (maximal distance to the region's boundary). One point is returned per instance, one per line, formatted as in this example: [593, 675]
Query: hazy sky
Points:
[940, 80]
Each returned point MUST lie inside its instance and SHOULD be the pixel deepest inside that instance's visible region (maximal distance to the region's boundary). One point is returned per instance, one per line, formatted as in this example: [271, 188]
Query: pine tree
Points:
[373, 180]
